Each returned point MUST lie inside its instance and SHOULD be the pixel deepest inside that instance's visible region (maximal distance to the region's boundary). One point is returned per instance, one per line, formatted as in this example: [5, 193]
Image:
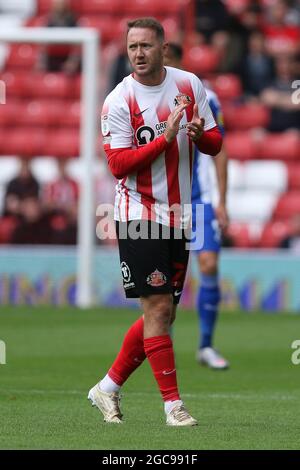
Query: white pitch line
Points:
[236, 396]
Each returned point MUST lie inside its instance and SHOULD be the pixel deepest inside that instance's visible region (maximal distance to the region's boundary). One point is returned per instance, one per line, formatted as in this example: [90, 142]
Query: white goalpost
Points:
[89, 40]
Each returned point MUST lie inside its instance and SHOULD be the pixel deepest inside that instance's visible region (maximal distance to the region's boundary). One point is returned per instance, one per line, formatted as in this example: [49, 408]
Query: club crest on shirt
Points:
[182, 99]
[156, 279]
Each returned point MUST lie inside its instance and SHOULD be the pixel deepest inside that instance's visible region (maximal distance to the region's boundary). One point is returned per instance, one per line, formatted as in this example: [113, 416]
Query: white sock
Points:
[169, 405]
[107, 385]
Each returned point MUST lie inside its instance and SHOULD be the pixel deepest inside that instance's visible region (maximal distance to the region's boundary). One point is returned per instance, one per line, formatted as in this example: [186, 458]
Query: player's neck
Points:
[154, 79]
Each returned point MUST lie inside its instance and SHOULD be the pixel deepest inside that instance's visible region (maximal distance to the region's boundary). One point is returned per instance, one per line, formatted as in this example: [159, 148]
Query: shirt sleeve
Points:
[115, 123]
[203, 105]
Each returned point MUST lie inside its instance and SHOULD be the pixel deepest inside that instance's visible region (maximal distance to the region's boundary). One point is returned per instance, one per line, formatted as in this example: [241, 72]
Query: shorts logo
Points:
[182, 99]
[156, 279]
[126, 274]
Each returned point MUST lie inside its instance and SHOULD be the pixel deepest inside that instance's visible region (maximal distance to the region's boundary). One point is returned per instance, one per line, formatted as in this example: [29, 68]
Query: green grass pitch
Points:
[55, 355]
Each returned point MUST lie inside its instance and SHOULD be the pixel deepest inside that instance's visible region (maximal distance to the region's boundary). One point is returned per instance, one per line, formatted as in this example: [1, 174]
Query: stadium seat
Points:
[240, 235]
[16, 83]
[97, 7]
[50, 85]
[281, 146]
[22, 56]
[201, 60]
[288, 205]
[10, 112]
[156, 8]
[40, 113]
[273, 233]
[227, 86]
[7, 226]
[62, 143]
[293, 175]
[24, 142]
[69, 113]
[251, 205]
[241, 145]
[247, 116]
[103, 24]
[268, 175]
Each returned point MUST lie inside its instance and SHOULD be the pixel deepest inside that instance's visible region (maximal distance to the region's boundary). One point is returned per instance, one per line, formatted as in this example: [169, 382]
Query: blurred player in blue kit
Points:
[215, 221]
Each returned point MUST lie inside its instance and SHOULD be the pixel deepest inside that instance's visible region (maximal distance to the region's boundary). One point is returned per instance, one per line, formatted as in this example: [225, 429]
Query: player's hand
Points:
[173, 122]
[222, 216]
[196, 126]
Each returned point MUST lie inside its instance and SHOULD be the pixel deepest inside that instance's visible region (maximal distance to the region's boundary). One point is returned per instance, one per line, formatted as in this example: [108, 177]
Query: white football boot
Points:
[211, 358]
[107, 403]
[179, 416]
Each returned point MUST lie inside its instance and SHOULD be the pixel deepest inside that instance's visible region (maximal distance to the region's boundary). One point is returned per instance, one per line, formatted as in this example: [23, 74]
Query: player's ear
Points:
[165, 48]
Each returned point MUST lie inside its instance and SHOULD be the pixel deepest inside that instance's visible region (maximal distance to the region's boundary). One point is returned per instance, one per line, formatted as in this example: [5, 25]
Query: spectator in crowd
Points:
[285, 112]
[60, 200]
[282, 36]
[120, 68]
[292, 241]
[34, 227]
[211, 16]
[60, 57]
[257, 68]
[23, 185]
[61, 195]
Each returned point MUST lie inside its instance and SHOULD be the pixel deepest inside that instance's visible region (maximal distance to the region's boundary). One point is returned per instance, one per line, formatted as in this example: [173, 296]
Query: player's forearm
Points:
[221, 163]
[210, 142]
[123, 162]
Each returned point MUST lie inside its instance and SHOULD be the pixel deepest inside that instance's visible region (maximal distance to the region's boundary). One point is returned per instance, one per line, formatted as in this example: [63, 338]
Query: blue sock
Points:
[207, 308]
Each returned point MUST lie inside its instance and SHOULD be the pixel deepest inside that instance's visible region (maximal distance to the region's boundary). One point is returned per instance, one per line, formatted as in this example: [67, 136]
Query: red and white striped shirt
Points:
[134, 115]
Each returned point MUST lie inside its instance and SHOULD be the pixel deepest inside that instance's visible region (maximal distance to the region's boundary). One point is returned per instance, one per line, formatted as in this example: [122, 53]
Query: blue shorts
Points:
[212, 234]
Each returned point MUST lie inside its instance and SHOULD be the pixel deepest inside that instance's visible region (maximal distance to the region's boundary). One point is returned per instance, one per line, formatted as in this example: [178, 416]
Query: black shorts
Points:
[155, 265]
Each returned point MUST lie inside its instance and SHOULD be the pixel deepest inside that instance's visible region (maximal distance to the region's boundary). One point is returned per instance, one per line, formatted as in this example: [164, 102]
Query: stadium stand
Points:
[41, 117]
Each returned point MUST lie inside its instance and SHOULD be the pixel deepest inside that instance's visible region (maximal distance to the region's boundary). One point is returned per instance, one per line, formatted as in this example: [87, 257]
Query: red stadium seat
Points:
[44, 6]
[22, 56]
[103, 24]
[273, 233]
[201, 59]
[50, 85]
[24, 142]
[98, 7]
[240, 234]
[16, 83]
[36, 21]
[7, 227]
[41, 113]
[246, 116]
[241, 145]
[227, 86]
[9, 113]
[281, 146]
[63, 143]
[70, 114]
[288, 205]
[293, 175]
[137, 8]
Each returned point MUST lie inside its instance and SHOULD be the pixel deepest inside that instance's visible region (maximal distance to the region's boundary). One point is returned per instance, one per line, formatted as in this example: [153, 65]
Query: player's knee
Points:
[160, 308]
[209, 265]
